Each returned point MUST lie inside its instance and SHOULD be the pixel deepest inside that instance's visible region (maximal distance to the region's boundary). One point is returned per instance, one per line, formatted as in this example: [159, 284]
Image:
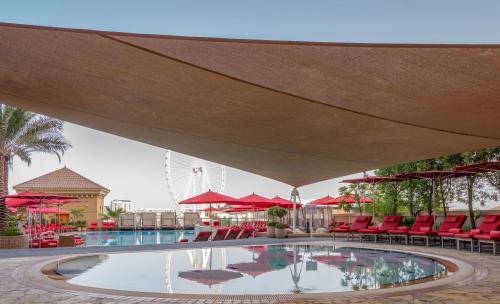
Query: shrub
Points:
[281, 226]
[272, 223]
[276, 211]
[12, 229]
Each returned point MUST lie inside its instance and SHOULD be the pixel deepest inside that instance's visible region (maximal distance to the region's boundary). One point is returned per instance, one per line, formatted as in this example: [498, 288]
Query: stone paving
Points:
[476, 282]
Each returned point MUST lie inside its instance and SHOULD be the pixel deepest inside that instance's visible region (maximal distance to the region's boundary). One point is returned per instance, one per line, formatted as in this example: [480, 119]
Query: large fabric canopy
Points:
[298, 112]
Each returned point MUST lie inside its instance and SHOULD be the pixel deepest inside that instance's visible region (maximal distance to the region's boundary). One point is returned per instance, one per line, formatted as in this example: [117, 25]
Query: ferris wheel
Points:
[189, 176]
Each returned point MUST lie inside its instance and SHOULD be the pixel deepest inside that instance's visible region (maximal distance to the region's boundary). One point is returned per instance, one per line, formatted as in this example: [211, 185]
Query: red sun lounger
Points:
[233, 233]
[390, 223]
[202, 236]
[422, 223]
[360, 222]
[490, 223]
[450, 222]
[246, 233]
[220, 234]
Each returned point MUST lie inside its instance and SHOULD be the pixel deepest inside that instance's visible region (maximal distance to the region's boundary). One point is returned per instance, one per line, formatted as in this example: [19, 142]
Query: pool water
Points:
[277, 269]
[130, 238]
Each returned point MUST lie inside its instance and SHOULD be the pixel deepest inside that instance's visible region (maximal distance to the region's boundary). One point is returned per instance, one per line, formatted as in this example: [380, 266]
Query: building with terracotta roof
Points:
[68, 182]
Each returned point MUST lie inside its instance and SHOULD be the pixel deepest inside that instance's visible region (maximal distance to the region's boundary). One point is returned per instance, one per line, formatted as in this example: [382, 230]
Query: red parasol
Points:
[480, 167]
[347, 200]
[211, 209]
[209, 277]
[48, 210]
[28, 198]
[260, 266]
[433, 174]
[372, 180]
[254, 200]
[321, 201]
[210, 198]
[283, 203]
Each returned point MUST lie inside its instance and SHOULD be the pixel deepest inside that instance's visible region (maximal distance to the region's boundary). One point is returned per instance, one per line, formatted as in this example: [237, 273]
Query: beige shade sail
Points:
[296, 112]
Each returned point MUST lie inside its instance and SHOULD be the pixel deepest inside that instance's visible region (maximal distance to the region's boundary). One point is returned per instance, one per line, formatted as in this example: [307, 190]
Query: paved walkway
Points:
[476, 282]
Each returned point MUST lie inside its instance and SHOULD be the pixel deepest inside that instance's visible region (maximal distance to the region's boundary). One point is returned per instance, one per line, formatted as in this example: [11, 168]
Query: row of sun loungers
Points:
[224, 233]
[449, 231]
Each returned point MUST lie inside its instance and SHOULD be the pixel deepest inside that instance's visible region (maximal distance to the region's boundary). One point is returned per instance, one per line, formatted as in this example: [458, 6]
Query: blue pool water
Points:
[277, 269]
[130, 238]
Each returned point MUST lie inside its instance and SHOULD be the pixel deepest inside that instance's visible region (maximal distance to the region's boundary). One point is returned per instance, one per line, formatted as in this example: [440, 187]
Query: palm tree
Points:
[23, 133]
[114, 214]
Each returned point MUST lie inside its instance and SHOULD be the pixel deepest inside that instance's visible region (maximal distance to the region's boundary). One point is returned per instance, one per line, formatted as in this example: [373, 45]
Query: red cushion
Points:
[400, 230]
[446, 234]
[428, 232]
[464, 235]
[371, 231]
[490, 219]
[455, 230]
[487, 237]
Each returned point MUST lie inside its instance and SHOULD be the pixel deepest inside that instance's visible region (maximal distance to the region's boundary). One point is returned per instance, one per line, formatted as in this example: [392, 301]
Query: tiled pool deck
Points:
[22, 282]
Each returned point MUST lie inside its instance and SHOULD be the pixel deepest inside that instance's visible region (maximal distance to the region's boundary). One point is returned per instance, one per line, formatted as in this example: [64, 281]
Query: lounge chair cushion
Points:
[493, 235]
[451, 219]
[468, 235]
[446, 234]
[399, 230]
[489, 219]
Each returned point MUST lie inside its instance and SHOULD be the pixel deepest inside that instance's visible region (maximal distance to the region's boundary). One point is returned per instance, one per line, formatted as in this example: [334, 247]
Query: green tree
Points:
[473, 188]
[23, 133]
[114, 214]
[357, 191]
[76, 214]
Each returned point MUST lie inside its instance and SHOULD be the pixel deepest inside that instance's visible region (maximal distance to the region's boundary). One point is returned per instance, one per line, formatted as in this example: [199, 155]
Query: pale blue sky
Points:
[423, 21]
[129, 167]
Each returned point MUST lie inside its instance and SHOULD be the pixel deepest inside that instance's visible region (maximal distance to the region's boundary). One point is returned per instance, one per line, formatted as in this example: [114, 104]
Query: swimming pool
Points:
[276, 269]
[130, 238]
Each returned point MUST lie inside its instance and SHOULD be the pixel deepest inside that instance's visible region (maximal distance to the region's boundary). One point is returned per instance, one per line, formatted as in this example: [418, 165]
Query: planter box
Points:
[9, 242]
[270, 231]
[280, 233]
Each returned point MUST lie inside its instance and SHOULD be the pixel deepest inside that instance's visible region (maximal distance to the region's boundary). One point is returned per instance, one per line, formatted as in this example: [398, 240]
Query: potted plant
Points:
[271, 228]
[280, 230]
[279, 227]
[13, 237]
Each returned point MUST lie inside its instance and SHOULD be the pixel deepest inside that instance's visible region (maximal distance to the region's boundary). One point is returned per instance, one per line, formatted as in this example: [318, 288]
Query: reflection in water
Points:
[258, 270]
[129, 238]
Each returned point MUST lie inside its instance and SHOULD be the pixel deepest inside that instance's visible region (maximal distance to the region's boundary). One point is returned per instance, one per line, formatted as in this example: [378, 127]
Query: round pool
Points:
[273, 269]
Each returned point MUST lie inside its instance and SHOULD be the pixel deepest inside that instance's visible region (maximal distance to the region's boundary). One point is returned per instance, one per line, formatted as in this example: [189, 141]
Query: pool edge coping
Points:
[465, 273]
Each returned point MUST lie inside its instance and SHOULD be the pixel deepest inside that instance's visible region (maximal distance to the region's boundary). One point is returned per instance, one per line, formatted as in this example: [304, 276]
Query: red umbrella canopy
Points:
[39, 196]
[211, 209]
[348, 200]
[480, 168]
[12, 210]
[255, 201]
[258, 267]
[237, 209]
[48, 210]
[433, 174]
[209, 197]
[26, 202]
[210, 277]
[373, 180]
[283, 203]
[321, 201]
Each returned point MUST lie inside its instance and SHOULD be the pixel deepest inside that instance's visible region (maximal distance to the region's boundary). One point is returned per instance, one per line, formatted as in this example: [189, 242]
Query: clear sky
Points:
[136, 171]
